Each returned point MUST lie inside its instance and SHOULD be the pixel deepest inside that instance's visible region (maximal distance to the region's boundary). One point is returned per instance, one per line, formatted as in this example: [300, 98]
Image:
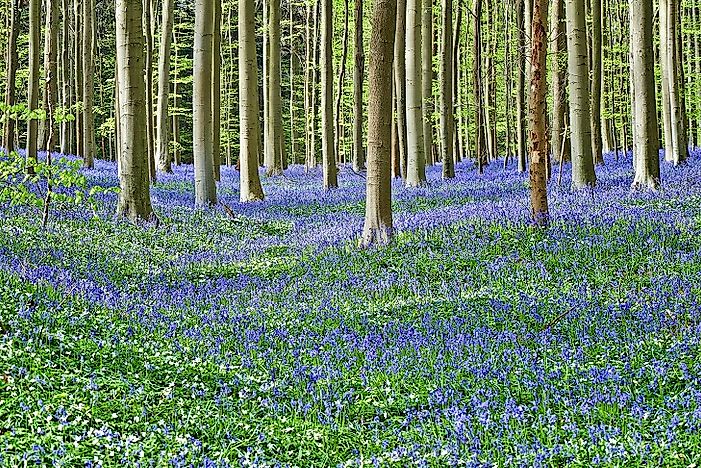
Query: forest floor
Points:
[473, 340]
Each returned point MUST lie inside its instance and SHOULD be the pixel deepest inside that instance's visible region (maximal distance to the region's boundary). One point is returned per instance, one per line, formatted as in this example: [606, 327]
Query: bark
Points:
[9, 132]
[273, 135]
[596, 52]
[251, 189]
[520, 88]
[672, 60]
[416, 159]
[358, 77]
[88, 119]
[134, 197]
[203, 147]
[162, 120]
[341, 81]
[150, 137]
[447, 118]
[480, 121]
[400, 82]
[52, 24]
[327, 139]
[427, 77]
[646, 140]
[559, 137]
[578, 78]
[33, 81]
[216, 92]
[378, 209]
[537, 124]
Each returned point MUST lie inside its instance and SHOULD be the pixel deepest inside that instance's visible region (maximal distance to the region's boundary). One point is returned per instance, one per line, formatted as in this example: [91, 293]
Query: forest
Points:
[311, 233]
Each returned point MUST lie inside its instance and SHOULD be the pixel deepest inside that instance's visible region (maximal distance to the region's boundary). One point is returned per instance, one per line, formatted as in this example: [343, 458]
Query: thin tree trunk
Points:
[162, 151]
[537, 124]
[327, 133]
[9, 133]
[341, 81]
[446, 85]
[273, 137]
[400, 82]
[427, 78]
[33, 81]
[520, 88]
[88, 84]
[358, 78]
[216, 92]
[416, 160]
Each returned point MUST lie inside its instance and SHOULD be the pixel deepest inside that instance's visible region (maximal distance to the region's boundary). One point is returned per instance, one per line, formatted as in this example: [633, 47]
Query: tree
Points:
[427, 76]
[134, 198]
[378, 207]
[162, 121]
[646, 141]
[33, 82]
[202, 134]
[520, 87]
[560, 142]
[675, 133]
[88, 119]
[273, 135]
[446, 86]
[578, 79]
[400, 83]
[596, 52]
[358, 77]
[327, 140]
[416, 160]
[52, 24]
[251, 189]
[537, 133]
[12, 58]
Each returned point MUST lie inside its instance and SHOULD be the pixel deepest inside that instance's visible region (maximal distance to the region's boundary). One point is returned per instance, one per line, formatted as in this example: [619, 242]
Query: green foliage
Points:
[59, 183]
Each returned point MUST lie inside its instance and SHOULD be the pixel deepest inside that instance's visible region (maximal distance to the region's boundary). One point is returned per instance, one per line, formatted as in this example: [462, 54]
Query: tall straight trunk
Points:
[88, 84]
[327, 139]
[560, 141]
[66, 88]
[595, 95]
[358, 78]
[294, 65]
[162, 121]
[251, 188]
[646, 142]
[150, 137]
[134, 197]
[676, 96]
[457, 140]
[216, 92]
[416, 159]
[400, 82]
[52, 24]
[520, 87]
[312, 160]
[78, 75]
[307, 80]
[481, 152]
[273, 136]
[697, 70]
[664, 65]
[203, 147]
[427, 77]
[447, 118]
[378, 207]
[176, 118]
[537, 124]
[490, 88]
[33, 81]
[9, 132]
[578, 78]
[341, 80]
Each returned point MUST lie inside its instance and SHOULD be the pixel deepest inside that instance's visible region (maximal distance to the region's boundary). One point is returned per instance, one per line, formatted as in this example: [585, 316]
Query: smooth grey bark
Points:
[646, 142]
[427, 76]
[378, 228]
[578, 79]
[596, 81]
[251, 189]
[203, 146]
[327, 132]
[88, 119]
[162, 121]
[9, 131]
[273, 135]
[447, 118]
[134, 198]
[338, 131]
[358, 78]
[52, 24]
[33, 81]
[521, 87]
[400, 82]
[560, 142]
[416, 159]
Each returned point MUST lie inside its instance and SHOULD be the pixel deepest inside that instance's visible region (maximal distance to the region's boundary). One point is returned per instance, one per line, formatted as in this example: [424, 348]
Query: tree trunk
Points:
[400, 82]
[273, 149]
[150, 137]
[203, 147]
[162, 150]
[341, 80]
[447, 121]
[578, 78]
[646, 136]
[427, 77]
[378, 207]
[251, 189]
[358, 77]
[33, 81]
[52, 24]
[480, 121]
[216, 92]
[327, 140]
[134, 197]
[596, 82]
[520, 87]
[416, 160]
[9, 132]
[671, 67]
[559, 137]
[537, 124]
[88, 84]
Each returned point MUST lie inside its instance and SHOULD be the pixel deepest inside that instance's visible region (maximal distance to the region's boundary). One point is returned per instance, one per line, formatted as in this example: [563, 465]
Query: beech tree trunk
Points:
[358, 78]
[378, 209]
[203, 146]
[273, 135]
[416, 160]
[400, 82]
[88, 119]
[447, 119]
[327, 139]
[33, 81]
[134, 197]
[537, 123]
[251, 189]
[9, 132]
[162, 151]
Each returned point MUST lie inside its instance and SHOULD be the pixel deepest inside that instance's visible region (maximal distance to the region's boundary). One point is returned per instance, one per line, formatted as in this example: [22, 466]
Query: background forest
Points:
[350, 233]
